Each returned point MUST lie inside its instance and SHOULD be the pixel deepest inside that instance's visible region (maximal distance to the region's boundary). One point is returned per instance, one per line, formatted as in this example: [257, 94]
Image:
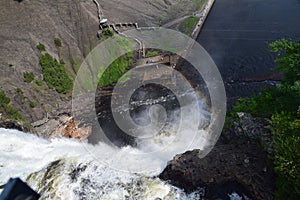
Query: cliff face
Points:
[26, 23]
[23, 26]
[241, 161]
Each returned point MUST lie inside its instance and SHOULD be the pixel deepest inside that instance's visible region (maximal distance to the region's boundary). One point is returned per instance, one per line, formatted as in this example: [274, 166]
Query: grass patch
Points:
[116, 70]
[188, 25]
[199, 4]
[151, 54]
[76, 62]
[119, 66]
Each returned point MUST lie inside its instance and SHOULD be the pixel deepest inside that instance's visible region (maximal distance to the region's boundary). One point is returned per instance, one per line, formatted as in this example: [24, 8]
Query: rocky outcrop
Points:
[26, 23]
[70, 128]
[62, 125]
[12, 124]
[237, 158]
[254, 128]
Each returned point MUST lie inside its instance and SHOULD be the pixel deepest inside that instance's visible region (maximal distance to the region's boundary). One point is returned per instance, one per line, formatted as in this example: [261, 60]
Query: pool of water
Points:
[236, 34]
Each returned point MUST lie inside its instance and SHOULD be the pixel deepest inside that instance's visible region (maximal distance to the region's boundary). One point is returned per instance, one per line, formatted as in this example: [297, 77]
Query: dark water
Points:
[236, 34]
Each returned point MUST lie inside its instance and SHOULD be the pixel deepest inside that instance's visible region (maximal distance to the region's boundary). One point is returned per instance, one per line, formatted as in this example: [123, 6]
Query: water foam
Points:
[63, 169]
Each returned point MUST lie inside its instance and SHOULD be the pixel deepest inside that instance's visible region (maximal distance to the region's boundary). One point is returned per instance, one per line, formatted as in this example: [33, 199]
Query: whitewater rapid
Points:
[63, 169]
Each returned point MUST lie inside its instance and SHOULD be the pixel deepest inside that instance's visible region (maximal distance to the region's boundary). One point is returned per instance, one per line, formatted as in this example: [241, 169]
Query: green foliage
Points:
[200, 5]
[119, 66]
[289, 60]
[41, 47]
[8, 111]
[151, 53]
[55, 75]
[282, 104]
[188, 25]
[286, 138]
[115, 71]
[76, 62]
[28, 77]
[3, 98]
[19, 90]
[57, 42]
[32, 104]
[39, 82]
[108, 33]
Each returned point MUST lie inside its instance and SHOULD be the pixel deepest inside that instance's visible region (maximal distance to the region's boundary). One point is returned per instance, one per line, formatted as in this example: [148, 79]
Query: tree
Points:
[282, 105]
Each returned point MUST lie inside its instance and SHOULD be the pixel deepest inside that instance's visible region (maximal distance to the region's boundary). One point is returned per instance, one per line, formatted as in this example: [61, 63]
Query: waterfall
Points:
[63, 169]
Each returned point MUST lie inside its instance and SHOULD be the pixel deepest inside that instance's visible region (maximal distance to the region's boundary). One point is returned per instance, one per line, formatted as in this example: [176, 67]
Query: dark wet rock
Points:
[238, 158]
[225, 190]
[12, 124]
[254, 128]
[77, 171]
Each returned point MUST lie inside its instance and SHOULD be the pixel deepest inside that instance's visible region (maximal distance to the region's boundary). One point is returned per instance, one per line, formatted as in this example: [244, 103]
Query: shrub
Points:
[39, 82]
[57, 42]
[32, 104]
[286, 138]
[28, 77]
[3, 98]
[282, 104]
[7, 110]
[19, 90]
[108, 33]
[41, 47]
[55, 75]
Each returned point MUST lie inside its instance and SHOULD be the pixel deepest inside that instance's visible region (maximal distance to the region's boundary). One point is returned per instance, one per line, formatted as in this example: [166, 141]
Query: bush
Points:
[41, 47]
[57, 42]
[108, 33]
[286, 138]
[39, 82]
[55, 75]
[32, 104]
[28, 77]
[3, 98]
[7, 110]
[19, 90]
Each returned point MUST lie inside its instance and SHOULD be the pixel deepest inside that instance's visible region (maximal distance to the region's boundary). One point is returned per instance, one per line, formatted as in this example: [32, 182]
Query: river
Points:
[237, 33]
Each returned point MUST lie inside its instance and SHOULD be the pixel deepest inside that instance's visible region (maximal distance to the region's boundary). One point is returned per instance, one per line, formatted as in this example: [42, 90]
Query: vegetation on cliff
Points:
[28, 77]
[119, 66]
[188, 25]
[55, 75]
[7, 110]
[282, 105]
[54, 72]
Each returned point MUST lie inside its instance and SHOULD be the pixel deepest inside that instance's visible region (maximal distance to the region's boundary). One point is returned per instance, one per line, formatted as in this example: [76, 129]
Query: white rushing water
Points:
[63, 169]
